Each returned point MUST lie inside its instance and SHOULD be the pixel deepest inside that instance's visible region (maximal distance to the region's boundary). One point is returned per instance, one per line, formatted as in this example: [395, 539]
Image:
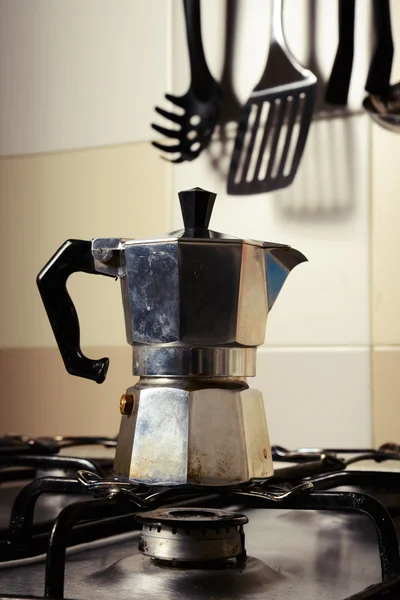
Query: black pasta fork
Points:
[201, 103]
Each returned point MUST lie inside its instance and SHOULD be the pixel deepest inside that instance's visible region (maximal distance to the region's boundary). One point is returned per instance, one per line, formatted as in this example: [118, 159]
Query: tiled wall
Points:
[385, 255]
[78, 81]
[46, 199]
[314, 369]
[81, 80]
[386, 281]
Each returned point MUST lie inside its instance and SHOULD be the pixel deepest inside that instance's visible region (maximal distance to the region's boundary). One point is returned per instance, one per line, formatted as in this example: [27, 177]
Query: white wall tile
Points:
[79, 74]
[385, 237]
[324, 214]
[316, 396]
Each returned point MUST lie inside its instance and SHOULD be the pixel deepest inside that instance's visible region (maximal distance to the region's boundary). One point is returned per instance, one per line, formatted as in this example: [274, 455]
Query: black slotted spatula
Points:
[274, 123]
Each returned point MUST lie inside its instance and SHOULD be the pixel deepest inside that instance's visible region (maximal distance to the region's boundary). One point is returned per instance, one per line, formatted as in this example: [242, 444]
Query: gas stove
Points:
[324, 526]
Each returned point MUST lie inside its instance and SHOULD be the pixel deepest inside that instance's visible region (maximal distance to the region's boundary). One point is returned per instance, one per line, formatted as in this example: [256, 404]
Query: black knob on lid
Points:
[196, 207]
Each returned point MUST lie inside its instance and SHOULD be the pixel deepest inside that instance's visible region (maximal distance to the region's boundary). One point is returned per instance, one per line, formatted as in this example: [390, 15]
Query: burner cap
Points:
[192, 534]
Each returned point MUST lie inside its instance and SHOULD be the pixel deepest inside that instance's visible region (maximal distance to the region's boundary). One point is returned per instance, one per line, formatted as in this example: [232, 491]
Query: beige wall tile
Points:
[386, 222]
[386, 395]
[313, 397]
[385, 237]
[121, 191]
[38, 397]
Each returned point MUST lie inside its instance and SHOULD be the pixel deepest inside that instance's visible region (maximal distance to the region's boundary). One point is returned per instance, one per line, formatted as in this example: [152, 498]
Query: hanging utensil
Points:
[322, 108]
[312, 60]
[383, 102]
[274, 123]
[219, 153]
[230, 105]
[385, 111]
[378, 80]
[199, 106]
[339, 81]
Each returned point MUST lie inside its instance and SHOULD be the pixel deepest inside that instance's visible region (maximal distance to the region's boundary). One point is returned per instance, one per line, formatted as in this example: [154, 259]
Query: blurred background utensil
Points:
[383, 102]
[378, 80]
[337, 89]
[230, 104]
[199, 107]
[385, 111]
[219, 153]
[274, 123]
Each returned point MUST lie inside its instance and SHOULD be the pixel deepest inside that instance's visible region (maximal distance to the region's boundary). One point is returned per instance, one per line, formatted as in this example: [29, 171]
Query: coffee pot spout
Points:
[279, 261]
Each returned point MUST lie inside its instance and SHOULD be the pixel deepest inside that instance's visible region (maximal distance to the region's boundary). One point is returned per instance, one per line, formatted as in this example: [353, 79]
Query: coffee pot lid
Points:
[196, 206]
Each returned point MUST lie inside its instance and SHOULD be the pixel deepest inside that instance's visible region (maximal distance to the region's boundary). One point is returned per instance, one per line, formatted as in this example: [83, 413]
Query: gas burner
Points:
[91, 510]
[192, 535]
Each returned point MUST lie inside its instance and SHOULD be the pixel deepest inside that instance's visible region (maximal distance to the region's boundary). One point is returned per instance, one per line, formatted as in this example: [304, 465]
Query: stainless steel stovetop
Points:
[292, 550]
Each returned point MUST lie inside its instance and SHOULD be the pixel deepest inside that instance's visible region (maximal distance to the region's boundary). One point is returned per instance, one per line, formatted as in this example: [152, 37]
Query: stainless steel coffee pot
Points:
[196, 303]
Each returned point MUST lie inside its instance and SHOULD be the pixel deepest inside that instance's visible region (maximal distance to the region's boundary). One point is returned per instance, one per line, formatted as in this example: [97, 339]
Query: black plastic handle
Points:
[337, 89]
[72, 257]
[378, 80]
[202, 82]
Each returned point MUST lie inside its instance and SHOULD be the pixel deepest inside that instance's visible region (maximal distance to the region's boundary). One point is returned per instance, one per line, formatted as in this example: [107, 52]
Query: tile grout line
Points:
[65, 151]
[371, 280]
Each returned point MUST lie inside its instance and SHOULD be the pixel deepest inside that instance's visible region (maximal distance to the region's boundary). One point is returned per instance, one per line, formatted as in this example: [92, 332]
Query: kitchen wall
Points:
[385, 255]
[314, 369]
[78, 84]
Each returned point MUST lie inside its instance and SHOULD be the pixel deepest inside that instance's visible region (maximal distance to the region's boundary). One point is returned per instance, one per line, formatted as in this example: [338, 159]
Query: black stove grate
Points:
[113, 508]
